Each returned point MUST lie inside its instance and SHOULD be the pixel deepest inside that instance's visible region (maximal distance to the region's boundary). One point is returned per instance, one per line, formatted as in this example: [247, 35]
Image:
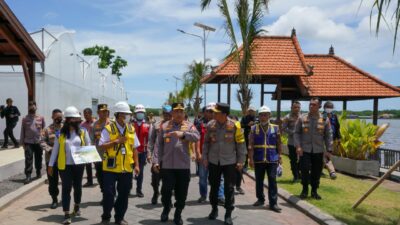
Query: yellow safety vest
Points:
[123, 163]
[62, 154]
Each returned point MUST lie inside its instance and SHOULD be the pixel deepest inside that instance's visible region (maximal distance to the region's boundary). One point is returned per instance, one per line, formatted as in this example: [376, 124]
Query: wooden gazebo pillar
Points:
[228, 97]
[375, 113]
[262, 94]
[344, 105]
[278, 98]
[219, 92]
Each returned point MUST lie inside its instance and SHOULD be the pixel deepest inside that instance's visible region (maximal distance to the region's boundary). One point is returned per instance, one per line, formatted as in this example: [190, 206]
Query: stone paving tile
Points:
[34, 209]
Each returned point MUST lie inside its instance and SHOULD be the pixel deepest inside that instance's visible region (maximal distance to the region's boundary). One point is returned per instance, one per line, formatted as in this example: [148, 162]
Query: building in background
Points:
[65, 78]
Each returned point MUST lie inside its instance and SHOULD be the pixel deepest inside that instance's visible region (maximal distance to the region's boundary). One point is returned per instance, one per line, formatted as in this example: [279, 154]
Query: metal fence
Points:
[387, 158]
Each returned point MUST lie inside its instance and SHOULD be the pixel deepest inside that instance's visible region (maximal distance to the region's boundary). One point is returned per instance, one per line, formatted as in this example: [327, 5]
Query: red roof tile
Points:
[272, 56]
[334, 77]
[278, 56]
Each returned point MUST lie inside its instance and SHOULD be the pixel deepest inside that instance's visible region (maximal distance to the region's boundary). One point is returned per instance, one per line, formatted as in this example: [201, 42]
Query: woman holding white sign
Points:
[71, 138]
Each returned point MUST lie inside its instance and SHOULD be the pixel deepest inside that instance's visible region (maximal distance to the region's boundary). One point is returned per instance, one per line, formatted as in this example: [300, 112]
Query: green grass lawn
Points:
[381, 207]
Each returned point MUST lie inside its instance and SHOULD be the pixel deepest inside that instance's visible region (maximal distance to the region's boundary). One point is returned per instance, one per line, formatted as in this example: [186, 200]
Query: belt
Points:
[264, 146]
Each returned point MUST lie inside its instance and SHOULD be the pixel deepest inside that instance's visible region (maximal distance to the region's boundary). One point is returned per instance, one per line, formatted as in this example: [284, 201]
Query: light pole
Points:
[176, 83]
[203, 40]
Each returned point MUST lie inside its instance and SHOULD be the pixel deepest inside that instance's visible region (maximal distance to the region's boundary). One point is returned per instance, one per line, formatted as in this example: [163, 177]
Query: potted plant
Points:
[358, 142]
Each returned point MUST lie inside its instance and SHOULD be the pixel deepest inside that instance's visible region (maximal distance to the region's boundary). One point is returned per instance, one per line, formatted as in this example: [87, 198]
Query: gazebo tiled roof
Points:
[327, 76]
[333, 77]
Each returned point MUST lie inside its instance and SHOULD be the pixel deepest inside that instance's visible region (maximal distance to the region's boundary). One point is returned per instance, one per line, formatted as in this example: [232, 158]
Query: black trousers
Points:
[89, 173]
[155, 181]
[53, 182]
[311, 167]
[33, 151]
[294, 163]
[71, 177]
[239, 178]
[99, 174]
[177, 180]
[214, 178]
[123, 183]
[8, 132]
[270, 169]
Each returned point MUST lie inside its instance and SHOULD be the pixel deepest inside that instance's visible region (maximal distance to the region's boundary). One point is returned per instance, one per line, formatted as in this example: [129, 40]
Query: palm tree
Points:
[192, 83]
[249, 20]
[383, 7]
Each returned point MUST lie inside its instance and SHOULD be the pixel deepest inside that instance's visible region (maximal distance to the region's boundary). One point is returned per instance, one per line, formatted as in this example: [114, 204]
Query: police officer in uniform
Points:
[288, 126]
[173, 151]
[313, 139]
[154, 132]
[224, 152]
[31, 139]
[265, 156]
[119, 141]
[98, 126]
[50, 134]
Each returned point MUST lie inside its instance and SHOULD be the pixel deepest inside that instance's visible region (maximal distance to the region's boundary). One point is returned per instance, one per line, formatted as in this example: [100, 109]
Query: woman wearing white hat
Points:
[71, 174]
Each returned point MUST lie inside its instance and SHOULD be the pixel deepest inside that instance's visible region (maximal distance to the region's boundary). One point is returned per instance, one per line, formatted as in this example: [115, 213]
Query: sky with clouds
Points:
[145, 34]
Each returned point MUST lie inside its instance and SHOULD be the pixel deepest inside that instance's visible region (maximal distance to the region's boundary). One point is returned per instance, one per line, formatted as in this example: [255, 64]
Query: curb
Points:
[313, 212]
[7, 199]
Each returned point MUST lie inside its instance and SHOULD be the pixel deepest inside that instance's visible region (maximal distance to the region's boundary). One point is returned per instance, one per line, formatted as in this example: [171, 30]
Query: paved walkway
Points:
[33, 209]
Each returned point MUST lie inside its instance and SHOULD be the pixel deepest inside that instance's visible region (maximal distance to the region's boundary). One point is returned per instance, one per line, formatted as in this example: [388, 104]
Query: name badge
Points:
[167, 140]
[123, 151]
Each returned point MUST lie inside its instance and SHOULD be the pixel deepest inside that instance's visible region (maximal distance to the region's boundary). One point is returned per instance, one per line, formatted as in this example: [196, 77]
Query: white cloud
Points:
[311, 23]
[389, 65]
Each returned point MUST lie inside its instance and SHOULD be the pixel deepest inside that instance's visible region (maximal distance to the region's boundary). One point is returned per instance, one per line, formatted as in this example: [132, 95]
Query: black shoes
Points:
[154, 199]
[214, 214]
[240, 191]
[202, 199]
[164, 214]
[258, 203]
[177, 217]
[221, 202]
[315, 195]
[228, 218]
[54, 204]
[28, 180]
[88, 184]
[139, 194]
[121, 222]
[38, 175]
[275, 208]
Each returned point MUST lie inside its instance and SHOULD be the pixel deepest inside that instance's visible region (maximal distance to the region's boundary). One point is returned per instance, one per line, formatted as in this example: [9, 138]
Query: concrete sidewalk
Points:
[11, 162]
[33, 208]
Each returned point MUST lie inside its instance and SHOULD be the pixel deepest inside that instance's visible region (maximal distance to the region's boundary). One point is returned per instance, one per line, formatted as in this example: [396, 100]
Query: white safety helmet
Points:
[211, 105]
[140, 108]
[122, 107]
[264, 109]
[252, 108]
[71, 112]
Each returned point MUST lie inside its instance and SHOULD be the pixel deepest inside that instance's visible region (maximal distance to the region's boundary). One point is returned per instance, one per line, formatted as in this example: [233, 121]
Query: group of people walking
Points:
[222, 147]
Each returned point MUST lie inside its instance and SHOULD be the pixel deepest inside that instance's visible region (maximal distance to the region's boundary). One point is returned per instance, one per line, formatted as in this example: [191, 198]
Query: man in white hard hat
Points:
[142, 130]
[265, 156]
[119, 141]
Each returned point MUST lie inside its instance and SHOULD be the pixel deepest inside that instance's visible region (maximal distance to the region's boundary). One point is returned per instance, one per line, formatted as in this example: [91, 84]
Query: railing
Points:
[387, 157]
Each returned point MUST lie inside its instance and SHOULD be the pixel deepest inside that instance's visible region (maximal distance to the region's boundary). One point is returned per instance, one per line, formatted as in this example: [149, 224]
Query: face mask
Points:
[328, 110]
[127, 119]
[32, 110]
[76, 124]
[140, 116]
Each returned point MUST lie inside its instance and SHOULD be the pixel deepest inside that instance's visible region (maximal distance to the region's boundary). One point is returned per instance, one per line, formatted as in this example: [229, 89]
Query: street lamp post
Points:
[203, 40]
